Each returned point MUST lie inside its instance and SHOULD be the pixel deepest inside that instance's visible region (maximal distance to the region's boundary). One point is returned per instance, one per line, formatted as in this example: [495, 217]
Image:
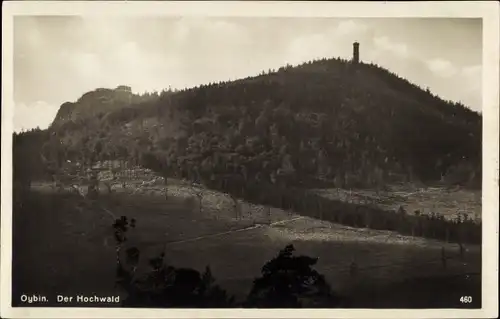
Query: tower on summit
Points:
[355, 52]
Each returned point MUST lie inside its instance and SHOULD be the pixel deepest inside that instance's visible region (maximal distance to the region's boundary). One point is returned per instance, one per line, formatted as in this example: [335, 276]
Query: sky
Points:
[59, 58]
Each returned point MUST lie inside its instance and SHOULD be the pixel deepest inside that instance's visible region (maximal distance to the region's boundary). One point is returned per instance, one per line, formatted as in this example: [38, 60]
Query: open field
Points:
[63, 245]
[448, 202]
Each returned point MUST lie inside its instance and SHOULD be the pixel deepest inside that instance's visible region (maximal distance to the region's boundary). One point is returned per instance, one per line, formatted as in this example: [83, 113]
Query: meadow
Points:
[64, 244]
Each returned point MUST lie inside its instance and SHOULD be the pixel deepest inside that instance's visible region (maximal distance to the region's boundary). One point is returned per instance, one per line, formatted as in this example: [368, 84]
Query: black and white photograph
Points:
[302, 158]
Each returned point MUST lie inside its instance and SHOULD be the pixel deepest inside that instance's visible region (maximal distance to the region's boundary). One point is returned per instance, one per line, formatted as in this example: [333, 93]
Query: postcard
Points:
[251, 159]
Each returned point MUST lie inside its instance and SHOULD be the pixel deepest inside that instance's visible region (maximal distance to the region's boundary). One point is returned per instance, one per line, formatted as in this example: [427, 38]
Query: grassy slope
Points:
[72, 249]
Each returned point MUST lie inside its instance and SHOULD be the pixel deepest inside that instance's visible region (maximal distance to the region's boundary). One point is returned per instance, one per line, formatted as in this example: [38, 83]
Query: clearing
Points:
[445, 201]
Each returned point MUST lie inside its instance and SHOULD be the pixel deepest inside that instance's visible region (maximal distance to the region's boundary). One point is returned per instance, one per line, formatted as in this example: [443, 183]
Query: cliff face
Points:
[99, 101]
[65, 113]
[354, 125]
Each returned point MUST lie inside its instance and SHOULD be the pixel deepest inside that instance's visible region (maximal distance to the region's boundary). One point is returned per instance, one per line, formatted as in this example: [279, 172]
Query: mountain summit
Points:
[343, 122]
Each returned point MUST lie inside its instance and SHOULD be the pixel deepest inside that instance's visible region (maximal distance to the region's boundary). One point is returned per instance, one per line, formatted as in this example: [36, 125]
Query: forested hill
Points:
[351, 125]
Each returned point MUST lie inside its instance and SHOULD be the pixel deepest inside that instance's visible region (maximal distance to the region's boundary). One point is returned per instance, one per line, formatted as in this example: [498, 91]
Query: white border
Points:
[488, 10]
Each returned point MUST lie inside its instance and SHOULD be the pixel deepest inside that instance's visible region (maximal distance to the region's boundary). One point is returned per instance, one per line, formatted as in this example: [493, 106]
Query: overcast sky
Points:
[57, 59]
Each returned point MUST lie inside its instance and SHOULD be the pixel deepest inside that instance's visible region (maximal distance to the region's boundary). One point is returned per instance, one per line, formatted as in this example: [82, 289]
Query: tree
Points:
[198, 192]
[93, 187]
[121, 226]
[165, 172]
[236, 206]
[289, 281]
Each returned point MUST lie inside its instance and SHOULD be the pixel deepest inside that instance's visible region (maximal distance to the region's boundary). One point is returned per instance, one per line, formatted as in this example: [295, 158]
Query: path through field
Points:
[282, 222]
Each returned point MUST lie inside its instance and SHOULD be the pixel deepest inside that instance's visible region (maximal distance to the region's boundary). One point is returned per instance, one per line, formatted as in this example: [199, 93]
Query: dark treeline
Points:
[27, 164]
[460, 230]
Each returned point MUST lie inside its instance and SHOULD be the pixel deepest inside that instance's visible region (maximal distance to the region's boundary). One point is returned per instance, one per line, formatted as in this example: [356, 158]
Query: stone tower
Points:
[355, 52]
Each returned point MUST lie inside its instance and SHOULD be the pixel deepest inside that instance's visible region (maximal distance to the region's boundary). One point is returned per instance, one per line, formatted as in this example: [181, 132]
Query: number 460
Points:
[466, 299]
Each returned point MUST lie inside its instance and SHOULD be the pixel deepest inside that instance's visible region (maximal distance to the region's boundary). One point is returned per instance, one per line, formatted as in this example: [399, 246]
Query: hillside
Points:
[326, 121]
